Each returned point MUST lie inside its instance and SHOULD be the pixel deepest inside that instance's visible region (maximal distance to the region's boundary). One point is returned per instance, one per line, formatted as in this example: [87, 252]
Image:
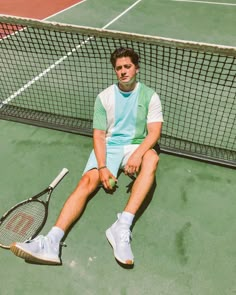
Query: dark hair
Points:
[124, 52]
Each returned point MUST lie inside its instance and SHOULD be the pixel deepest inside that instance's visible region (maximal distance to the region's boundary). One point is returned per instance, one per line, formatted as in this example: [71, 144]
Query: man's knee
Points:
[90, 180]
[150, 160]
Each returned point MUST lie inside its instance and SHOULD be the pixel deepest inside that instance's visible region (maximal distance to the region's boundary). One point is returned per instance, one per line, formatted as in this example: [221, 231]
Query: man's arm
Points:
[99, 145]
[135, 160]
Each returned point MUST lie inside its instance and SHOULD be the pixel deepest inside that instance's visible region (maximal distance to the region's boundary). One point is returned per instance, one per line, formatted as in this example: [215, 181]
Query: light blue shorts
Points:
[116, 158]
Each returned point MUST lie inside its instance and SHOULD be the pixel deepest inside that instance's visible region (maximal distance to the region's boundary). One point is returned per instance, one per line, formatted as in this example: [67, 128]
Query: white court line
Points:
[120, 15]
[59, 12]
[12, 34]
[42, 74]
[206, 2]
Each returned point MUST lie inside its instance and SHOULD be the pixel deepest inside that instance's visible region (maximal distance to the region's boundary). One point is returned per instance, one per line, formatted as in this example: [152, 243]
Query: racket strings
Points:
[22, 223]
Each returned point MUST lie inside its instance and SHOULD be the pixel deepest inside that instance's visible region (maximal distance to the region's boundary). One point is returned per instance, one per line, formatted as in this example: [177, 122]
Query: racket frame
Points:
[35, 198]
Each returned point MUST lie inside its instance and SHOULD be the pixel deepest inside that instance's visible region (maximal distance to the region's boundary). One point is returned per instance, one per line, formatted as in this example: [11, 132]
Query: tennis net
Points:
[52, 73]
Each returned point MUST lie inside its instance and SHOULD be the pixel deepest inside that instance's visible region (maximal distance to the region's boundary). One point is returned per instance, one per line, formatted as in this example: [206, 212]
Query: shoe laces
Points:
[41, 240]
[125, 236]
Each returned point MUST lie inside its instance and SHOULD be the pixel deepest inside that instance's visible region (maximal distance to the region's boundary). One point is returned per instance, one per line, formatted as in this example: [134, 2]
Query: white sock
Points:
[56, 234]
[126, 217]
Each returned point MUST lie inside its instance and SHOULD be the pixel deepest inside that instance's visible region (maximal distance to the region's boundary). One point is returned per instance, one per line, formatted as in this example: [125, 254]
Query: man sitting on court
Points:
[126, 127]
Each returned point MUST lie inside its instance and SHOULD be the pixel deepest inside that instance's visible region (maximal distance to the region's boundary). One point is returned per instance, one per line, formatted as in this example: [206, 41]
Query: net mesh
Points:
[52, 73]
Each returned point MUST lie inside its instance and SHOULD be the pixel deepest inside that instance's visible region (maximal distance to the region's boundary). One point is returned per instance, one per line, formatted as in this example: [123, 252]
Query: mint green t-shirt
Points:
[125, 115]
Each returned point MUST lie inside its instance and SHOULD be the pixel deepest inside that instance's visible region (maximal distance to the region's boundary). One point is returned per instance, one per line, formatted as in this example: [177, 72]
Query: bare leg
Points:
[76, 202]
[143, 183]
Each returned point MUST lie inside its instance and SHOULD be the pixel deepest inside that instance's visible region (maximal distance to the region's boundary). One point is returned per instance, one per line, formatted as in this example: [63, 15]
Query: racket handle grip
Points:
[59, 177]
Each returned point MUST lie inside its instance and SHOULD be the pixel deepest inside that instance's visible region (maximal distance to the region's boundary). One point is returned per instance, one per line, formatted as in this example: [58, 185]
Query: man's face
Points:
[126, 71]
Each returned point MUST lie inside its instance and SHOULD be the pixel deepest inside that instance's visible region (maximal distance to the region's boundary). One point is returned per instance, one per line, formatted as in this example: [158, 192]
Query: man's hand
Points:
[105, 176]
[133, 164]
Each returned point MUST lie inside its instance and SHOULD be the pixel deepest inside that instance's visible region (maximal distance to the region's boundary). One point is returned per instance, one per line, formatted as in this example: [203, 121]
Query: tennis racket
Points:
[27, 218]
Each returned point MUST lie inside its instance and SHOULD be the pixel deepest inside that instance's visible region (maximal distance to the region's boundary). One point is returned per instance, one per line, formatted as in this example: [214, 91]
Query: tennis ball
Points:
[112, 182]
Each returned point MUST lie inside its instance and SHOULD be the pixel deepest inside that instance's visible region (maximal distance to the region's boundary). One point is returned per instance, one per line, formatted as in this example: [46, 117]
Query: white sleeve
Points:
[155, 110]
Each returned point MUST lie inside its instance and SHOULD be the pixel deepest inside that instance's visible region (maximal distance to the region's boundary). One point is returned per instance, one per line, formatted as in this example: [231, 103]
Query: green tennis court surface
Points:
[184, 243]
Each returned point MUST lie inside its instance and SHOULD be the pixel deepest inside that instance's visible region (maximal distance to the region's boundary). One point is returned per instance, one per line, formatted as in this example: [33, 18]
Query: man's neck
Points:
[127, 87]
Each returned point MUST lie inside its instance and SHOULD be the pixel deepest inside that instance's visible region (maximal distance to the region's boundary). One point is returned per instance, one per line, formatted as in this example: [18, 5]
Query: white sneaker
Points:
[39, 250]
[119, 236]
